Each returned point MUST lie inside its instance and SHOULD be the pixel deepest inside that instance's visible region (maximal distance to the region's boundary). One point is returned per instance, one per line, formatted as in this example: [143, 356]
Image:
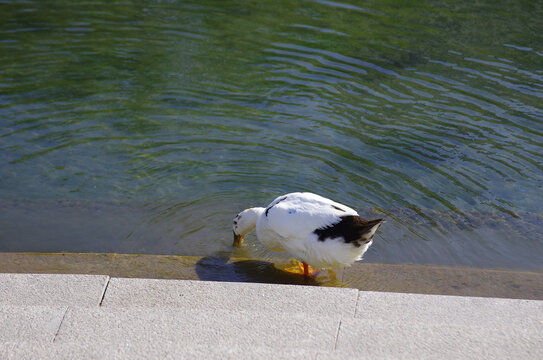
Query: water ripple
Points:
[420, 113]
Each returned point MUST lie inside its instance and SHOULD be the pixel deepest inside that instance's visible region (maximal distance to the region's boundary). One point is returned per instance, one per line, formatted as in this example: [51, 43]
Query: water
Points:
[144, 127]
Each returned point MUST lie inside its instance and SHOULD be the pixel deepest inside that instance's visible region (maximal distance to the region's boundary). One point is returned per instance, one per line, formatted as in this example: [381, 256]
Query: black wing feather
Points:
[353, 229]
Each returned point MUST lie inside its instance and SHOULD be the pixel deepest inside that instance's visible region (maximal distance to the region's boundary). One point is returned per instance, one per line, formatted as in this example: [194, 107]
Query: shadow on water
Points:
[218, 268]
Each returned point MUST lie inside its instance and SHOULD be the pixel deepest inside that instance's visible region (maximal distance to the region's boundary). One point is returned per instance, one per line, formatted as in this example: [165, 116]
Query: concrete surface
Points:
[162, 350]
[313, 300]
[457, 310]
[35, 323]
[217, 327]
[97, 317]
[52, 289]
[396, 278]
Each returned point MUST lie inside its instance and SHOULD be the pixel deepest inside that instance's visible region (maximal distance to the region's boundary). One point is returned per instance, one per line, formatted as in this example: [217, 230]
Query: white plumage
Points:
[315, 230]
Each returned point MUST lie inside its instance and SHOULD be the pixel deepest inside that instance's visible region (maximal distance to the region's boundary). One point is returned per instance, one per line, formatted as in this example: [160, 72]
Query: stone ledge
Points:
[52, 289]
[402, 278]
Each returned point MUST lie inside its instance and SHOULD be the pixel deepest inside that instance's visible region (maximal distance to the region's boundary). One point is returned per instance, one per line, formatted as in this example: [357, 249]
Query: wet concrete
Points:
[405, 278]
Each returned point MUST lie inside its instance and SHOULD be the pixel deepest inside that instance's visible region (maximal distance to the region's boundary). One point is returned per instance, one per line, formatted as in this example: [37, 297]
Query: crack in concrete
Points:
[59, 325]
[356, 304]
[337, 335]
[104, 291]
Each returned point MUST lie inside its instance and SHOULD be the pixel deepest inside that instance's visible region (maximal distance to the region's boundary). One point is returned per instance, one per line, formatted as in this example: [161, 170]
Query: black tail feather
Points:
[353, 229]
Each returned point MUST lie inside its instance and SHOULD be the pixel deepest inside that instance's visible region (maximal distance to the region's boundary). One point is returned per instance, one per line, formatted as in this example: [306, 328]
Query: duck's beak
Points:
[237, 239]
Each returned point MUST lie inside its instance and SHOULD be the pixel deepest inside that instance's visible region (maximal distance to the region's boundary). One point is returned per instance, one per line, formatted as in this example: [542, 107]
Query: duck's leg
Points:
[302, 268]
[309, 270]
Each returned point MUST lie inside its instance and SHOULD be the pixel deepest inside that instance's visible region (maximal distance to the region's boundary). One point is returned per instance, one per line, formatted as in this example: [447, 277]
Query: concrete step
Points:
[262, 298]
[148, 350]
[393, 338]
[449, 310]
[48, 316]
[30, 323]
[199, 326]
[52, 289]
[124, 331]
[405, 278]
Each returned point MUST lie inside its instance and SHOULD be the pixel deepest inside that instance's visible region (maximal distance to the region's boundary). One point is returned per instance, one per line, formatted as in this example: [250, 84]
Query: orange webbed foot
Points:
[302, 268]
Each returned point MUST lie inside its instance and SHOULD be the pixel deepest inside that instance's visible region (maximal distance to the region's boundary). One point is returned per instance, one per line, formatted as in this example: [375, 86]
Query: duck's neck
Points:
[251, 217]
[258, 210]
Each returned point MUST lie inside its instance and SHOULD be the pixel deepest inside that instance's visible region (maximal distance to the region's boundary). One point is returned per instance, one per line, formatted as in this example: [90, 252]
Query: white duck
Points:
[315, 230]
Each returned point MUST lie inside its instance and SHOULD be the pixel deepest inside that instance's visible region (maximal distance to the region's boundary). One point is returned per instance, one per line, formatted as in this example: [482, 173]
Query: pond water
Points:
[144, 127]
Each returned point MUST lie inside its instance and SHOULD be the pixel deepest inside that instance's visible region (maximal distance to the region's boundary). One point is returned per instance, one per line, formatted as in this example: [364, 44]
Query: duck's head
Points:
[244, 223]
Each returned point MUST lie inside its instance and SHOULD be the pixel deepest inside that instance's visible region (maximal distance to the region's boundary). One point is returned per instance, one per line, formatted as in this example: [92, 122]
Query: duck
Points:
[318, 232]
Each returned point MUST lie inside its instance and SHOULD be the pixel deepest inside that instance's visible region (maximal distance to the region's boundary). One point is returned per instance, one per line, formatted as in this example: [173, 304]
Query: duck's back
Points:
[310, 227]
[295, 216]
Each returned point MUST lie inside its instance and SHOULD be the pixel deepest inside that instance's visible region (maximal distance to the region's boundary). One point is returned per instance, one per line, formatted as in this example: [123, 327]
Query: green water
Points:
[145, 126]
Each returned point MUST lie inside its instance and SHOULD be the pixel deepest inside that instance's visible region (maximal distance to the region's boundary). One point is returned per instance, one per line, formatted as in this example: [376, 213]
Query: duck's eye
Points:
[235, 222]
